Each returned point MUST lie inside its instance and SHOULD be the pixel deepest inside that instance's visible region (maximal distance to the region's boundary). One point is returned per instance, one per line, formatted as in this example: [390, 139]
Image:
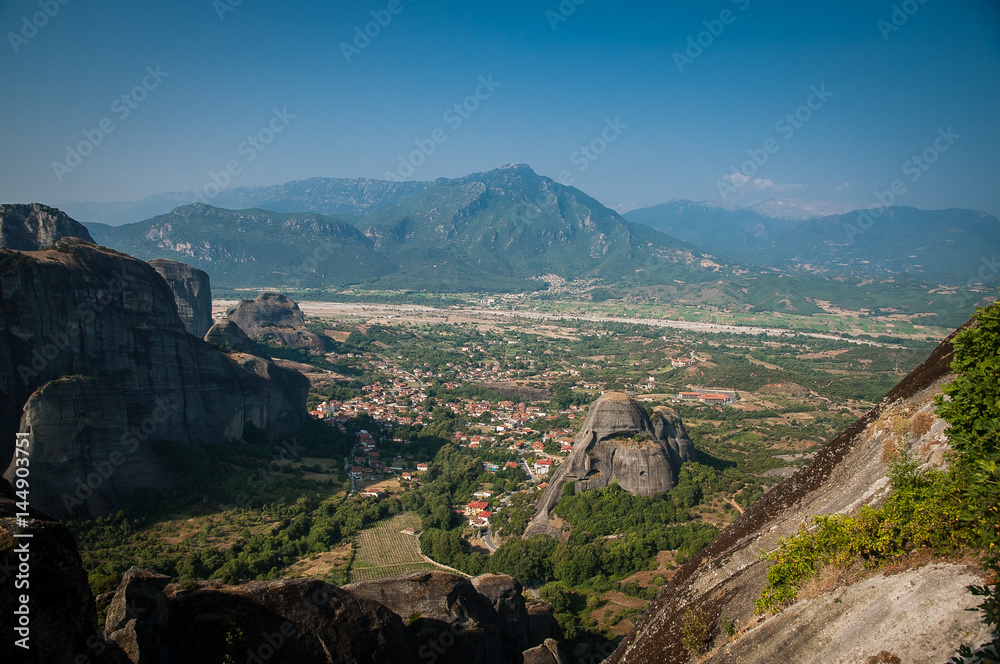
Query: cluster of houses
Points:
[712, 395]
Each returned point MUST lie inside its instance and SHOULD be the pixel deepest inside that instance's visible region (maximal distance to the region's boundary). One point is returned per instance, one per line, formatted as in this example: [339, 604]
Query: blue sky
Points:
[680, 129]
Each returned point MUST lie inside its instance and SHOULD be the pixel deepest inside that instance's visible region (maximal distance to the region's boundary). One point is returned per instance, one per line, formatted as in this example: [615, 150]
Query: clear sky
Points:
[662, 121]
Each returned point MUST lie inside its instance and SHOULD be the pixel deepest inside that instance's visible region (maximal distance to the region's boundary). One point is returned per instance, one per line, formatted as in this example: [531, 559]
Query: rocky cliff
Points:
[192, 293]
[915, 615]
[618, 441]
[423, 617]
[275, 318]
[62, 612]
[96, 364]
[460, 621]
[33, 227]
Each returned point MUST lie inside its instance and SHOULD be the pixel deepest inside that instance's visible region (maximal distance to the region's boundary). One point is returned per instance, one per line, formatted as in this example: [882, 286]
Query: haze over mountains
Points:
[944, 246]
[512, 229]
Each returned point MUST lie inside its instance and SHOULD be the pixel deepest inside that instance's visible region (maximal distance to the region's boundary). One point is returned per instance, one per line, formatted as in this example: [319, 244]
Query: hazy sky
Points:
[664, 117]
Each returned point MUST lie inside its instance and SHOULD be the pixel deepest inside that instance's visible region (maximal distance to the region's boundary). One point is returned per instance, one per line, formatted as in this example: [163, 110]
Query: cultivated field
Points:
[384, 551]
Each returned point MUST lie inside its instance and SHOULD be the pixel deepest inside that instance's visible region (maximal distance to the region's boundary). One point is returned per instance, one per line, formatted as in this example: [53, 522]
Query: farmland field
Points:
[383, 551]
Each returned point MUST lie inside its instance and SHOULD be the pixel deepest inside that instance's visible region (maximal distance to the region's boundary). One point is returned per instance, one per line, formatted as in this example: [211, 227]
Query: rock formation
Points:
[227, 336]
[304, 621]
[457, 623]
[63, 616]
[192, 293]
[618, 441]
[96, 364]
[34, 227]
[275, 318]
[919, 615]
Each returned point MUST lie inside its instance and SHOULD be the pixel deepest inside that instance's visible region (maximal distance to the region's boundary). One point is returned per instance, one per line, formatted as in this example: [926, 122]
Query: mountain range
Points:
[939, 246]
[511, 229]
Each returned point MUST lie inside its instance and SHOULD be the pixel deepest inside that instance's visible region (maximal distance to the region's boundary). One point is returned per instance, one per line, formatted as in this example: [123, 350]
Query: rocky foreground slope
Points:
[618, 441]
[96, 364]
[420, 617]
[916, 615]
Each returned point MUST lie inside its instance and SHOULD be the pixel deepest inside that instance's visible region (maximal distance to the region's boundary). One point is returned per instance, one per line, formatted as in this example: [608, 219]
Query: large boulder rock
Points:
[192, 293]
[275, 318]
[298, 621]
[61, 611]
[618, 441]
[228, 336]
[505, 594]
[96, 364]
[455, 623]
[34, 227]
[546, 653]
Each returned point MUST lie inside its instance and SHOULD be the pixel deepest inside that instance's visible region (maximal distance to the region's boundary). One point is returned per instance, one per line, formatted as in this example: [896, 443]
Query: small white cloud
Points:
[739, 180]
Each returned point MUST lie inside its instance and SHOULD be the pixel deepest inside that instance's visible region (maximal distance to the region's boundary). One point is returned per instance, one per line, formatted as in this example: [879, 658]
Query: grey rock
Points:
[95, 361]
[228, 335]
[618, 441]
[275, 318]
[192, 293]
[505, 595]
[300, 621]
[456, 622]
[62, 610]
[34, 227]
[547, 653]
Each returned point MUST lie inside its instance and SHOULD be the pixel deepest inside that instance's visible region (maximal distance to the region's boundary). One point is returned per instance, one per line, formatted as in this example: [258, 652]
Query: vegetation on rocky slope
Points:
[942, 511]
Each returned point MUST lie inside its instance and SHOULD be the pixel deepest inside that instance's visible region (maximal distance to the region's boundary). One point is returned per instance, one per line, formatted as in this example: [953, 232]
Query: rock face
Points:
[62, 610]
[917, 616]
[228, 335]
[192, 293]
[300, 621]
[618, 441]
[275, 318]
[34, 227]
[547, 653]
[96, 365]
[458, 624]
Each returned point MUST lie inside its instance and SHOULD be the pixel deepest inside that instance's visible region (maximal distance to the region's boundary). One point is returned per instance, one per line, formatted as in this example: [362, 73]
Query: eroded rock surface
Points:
[300, 621]
[34, 227]
[921, 613]
[618, 441]
[275, 318]
[63, 616]
[455, 623]
[96, 364]
[192, 293]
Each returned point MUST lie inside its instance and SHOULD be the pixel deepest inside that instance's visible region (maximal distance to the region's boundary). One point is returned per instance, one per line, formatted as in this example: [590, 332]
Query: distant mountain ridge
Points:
[940, 246]
[329, 196]
[499, 229]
